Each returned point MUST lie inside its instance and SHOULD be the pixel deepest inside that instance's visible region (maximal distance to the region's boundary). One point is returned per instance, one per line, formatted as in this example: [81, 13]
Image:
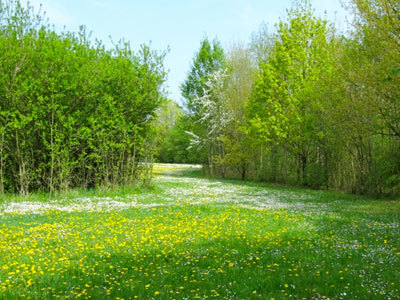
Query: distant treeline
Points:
[72, 114]
[305, 105]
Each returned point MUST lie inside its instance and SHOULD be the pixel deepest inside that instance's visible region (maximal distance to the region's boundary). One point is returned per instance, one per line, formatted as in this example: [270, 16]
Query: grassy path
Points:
[188, 237]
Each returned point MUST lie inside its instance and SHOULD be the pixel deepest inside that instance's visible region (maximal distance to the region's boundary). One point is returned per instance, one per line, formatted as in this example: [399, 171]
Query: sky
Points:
[177, 25]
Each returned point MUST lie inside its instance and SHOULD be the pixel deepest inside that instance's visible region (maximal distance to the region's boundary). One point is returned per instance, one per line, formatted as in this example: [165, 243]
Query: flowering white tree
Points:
[214, 115]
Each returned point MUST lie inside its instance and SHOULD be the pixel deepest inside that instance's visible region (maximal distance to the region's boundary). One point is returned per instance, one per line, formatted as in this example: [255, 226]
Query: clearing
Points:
[189, 237]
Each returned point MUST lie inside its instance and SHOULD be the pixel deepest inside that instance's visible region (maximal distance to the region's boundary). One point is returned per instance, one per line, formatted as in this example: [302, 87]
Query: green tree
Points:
[176, 146]
[72, 114]
[283, 109]
[167, 116]
[238, 148]
[209, 59]
[370, 78]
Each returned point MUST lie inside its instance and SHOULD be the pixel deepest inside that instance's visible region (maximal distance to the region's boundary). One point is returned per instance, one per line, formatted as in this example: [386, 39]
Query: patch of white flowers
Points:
[178, 190]
[93, 204]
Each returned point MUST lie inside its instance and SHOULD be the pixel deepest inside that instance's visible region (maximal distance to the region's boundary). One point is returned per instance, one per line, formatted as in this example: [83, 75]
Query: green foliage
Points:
[237, 149]
[166, 117]
[209, 59]
[306, 105]
[207, 62]
[73, 114]
[176, 146]
[283, 108]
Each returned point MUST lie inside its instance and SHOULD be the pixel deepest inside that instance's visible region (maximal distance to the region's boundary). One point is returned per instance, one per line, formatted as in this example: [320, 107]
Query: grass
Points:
[190, 237]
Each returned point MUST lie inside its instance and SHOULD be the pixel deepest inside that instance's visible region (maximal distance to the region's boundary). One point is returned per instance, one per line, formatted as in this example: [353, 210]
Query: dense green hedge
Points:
[72, 114]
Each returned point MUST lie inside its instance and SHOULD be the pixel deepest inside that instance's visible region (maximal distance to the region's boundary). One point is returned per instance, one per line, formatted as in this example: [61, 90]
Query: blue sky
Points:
[179, 25]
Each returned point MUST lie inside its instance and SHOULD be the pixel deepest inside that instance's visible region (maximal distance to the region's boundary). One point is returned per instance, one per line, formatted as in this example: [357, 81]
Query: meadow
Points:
[190, 237]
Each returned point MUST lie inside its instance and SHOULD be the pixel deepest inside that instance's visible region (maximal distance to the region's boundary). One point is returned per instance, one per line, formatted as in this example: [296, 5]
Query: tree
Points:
[207, 62]
[214, 117]
[378, 30]
[72, 114]
[176, 146]
[167, 116]
[369, 67]
[209, 59]
[283, 109]
[237, 145]
[261, 43]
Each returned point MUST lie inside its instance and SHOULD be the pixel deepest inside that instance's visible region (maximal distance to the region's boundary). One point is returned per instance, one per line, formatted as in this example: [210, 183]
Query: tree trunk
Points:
[2, 167]
[22, 172]
[210, 162]
[303, 168]
[244, 171]
[222, 155]
[51, 187]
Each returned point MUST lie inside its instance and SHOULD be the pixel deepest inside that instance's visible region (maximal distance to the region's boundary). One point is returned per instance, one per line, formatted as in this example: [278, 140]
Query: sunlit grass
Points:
[194, 238]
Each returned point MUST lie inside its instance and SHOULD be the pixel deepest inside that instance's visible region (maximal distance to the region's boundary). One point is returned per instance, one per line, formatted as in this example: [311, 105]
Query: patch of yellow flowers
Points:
[125, 253]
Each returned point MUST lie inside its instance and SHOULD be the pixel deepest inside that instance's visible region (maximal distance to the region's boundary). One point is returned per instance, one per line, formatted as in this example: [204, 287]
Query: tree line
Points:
[72, 113]
[306, 105]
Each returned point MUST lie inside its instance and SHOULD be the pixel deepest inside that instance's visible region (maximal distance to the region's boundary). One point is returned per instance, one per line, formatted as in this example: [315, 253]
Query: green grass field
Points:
[188, 237]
